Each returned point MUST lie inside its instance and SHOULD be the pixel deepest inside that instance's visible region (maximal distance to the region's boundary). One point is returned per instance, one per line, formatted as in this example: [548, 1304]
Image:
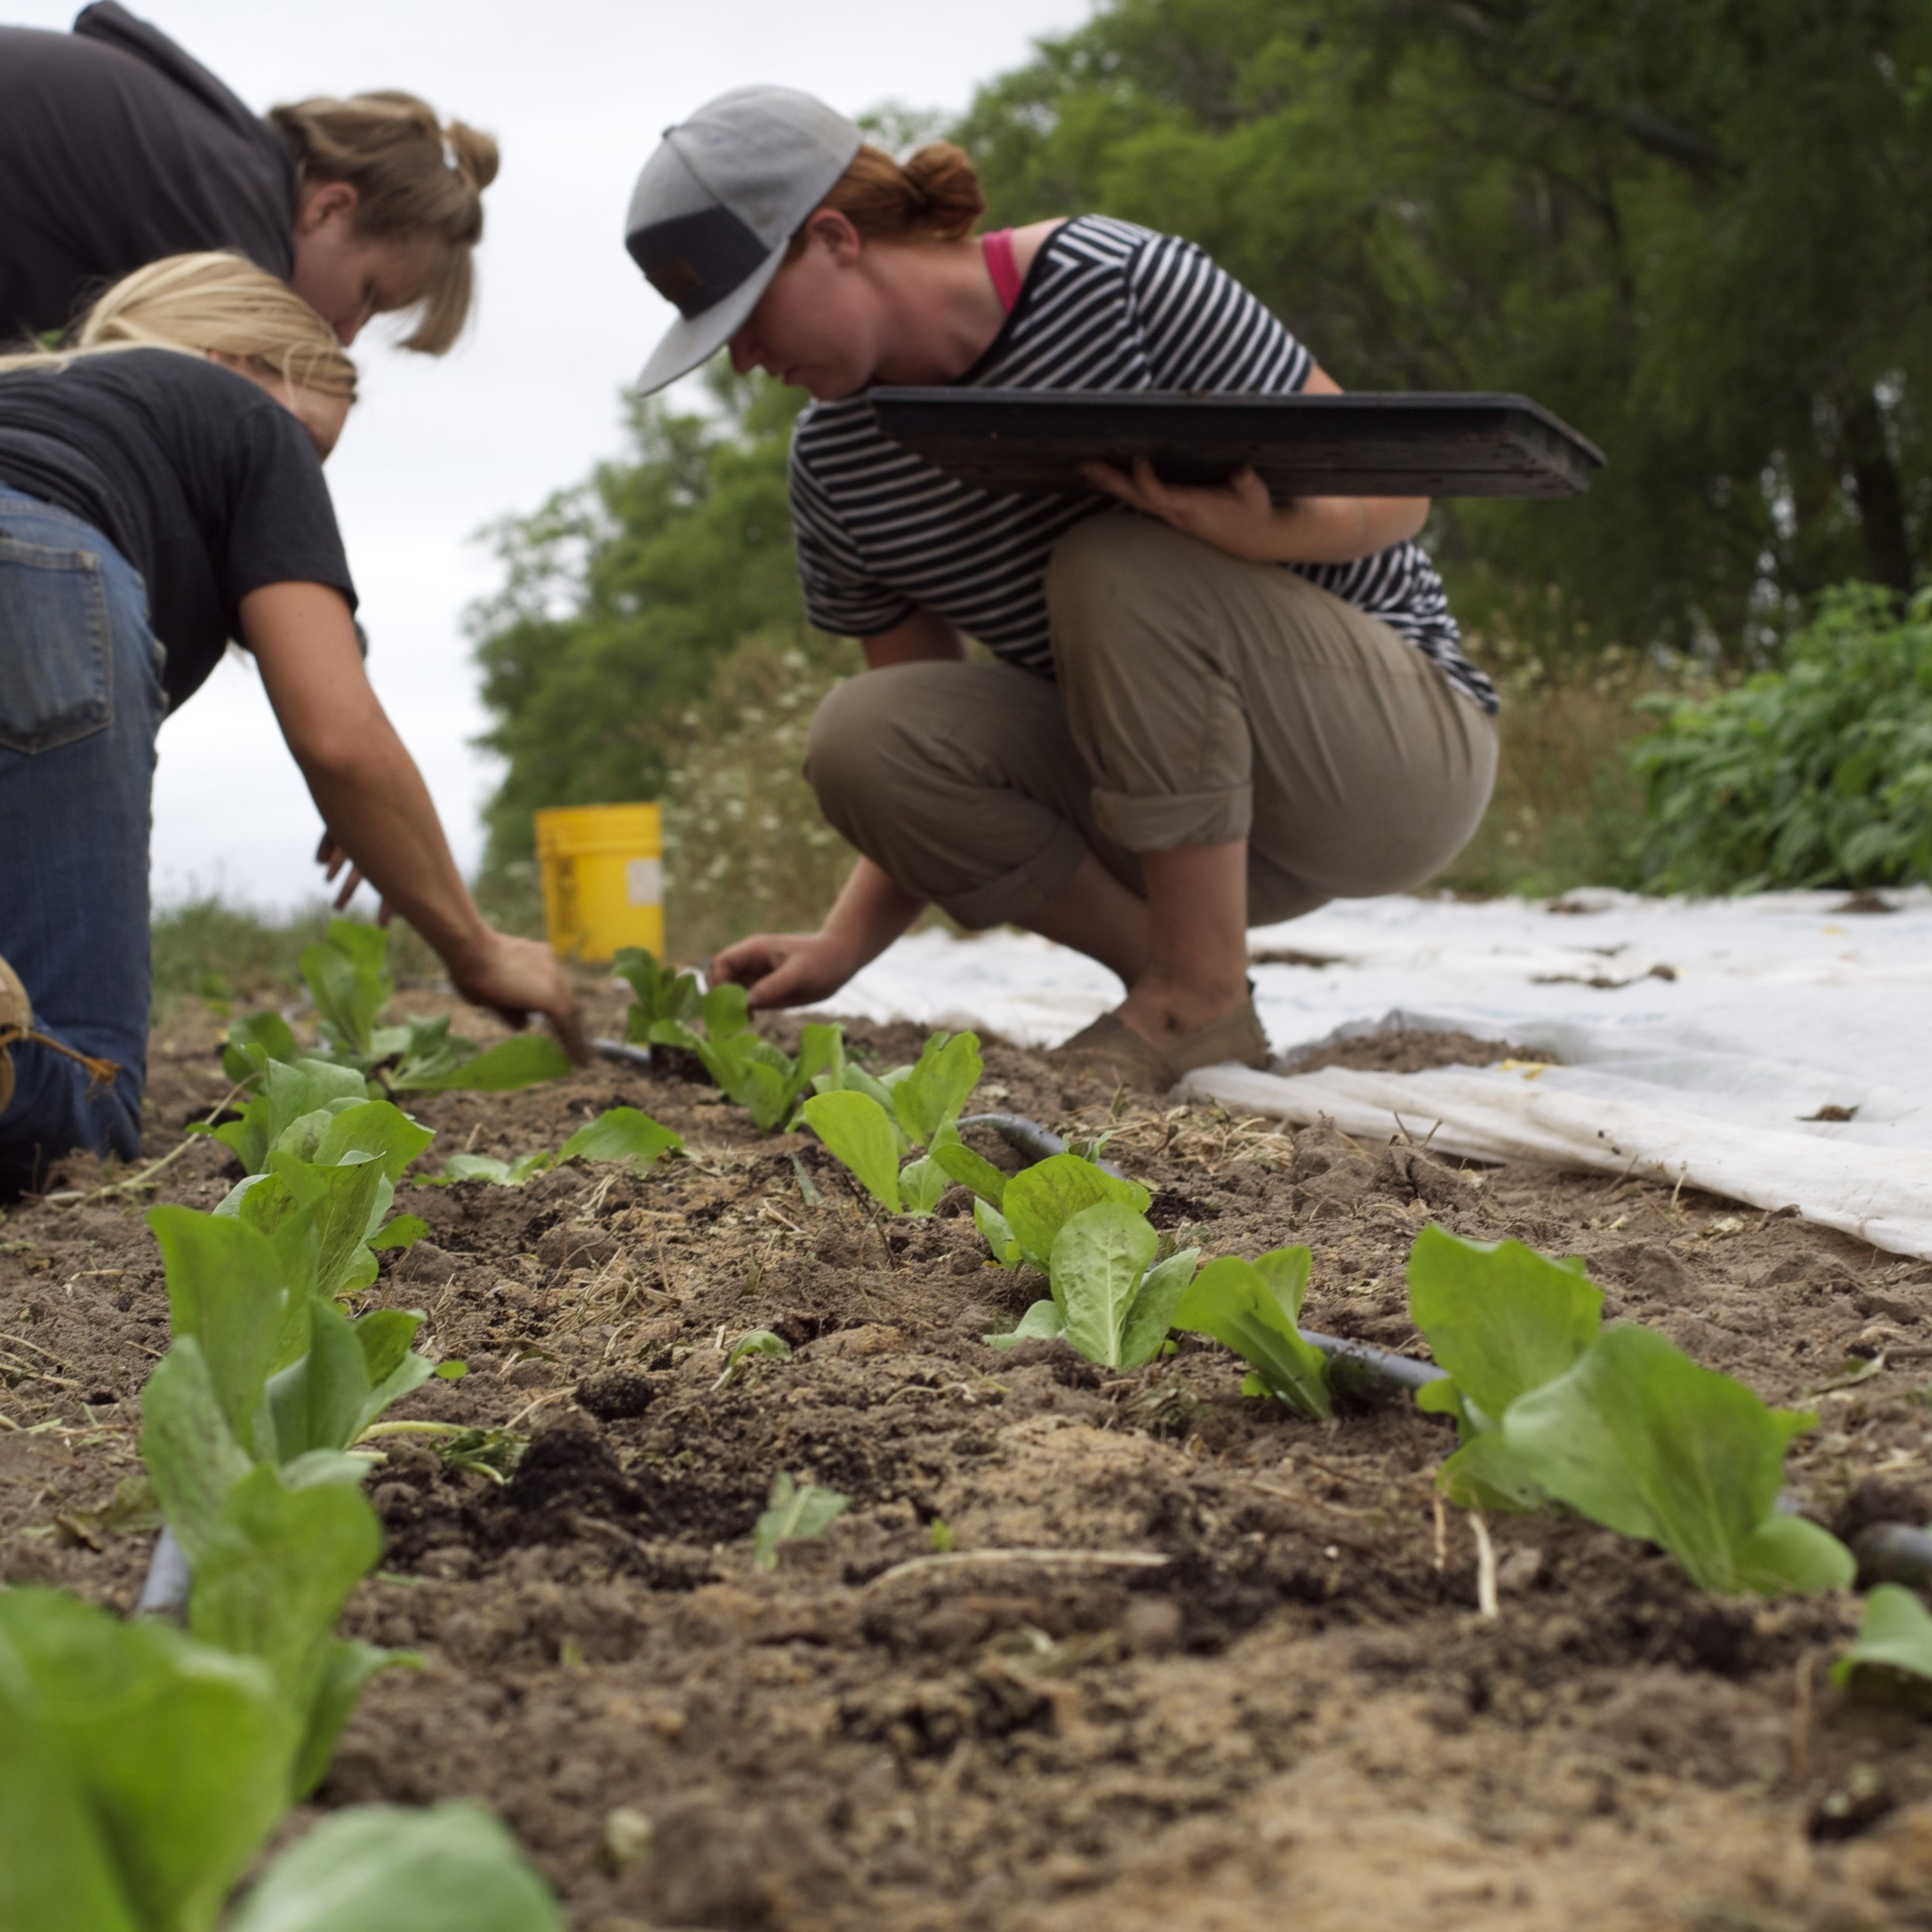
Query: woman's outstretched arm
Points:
[378, 810]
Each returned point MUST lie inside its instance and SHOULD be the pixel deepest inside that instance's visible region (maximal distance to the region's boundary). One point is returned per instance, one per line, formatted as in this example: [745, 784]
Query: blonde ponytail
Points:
[213, 301]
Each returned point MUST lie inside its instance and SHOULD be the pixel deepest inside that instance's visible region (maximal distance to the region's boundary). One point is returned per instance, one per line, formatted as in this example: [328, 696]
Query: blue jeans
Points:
[81, 703]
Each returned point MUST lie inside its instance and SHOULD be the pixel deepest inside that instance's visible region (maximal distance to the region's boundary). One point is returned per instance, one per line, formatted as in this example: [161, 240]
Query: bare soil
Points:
[1295, 1716]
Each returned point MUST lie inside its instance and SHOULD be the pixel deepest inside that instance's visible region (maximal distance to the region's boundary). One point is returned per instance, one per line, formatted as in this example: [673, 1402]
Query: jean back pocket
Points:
[56, 676]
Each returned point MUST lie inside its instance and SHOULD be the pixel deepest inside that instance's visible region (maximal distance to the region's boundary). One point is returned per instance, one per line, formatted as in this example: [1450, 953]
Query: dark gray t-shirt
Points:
[204, 482]
[117, 148]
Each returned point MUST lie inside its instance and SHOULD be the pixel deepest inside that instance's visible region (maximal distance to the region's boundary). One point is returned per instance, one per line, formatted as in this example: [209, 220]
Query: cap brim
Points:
[693, 339]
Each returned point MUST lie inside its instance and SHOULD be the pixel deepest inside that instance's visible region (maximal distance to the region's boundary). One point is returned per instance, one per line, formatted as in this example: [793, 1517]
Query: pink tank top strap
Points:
[997, 248]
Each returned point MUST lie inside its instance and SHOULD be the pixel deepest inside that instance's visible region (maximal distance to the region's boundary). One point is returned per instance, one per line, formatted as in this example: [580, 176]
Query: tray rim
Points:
[948, 398]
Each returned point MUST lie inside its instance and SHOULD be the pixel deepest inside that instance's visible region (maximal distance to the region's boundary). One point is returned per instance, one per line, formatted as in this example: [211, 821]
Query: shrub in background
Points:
[1817, 773]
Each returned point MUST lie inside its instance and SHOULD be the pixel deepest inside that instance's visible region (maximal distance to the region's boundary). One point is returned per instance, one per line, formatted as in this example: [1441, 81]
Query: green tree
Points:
[1700, 229]
[621, 595]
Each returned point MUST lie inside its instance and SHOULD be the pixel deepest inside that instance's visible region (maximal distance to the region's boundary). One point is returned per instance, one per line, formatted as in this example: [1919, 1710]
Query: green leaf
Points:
[225, 1290]
[191, 1452]
[821, 1050]
[939, 1085]
[317, 1218]
[451, 1370]
[1041, 1199]
[377, 1130]
[317, 1400]
[1098, 1259]
[1895, 1635]
[858, 1131]
[402, 1233]
[487, 1167]
[725, 1010]
[380, 1868]
[621, 1133]
[344, 1669]
[753, 1342]
[180, 1753]
[273, 1579]
[662, 996]
[1251, 1307]
[1485, 1474]
[428, 1053]
[57, 1869]
[971, 1170]
[1637, 1436]
[794, 1510]
[268, 1033]
[288, 1093]
[347, 976]
[1499, 1317]
[1152, 1313]
[522, 1060]
[922, 1185]
[385, 1336]
[1042, 1322]
[996, 1234]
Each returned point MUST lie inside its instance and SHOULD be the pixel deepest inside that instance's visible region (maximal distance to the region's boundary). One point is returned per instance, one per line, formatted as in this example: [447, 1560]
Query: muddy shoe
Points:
[16, 1019]
[1111, 1047]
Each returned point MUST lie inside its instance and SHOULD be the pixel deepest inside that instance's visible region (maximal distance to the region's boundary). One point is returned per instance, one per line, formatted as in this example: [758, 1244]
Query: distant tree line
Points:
[1700, 230]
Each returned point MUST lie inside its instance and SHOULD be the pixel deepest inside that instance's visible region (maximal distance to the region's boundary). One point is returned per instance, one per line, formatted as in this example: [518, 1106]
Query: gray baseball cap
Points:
[717, 205]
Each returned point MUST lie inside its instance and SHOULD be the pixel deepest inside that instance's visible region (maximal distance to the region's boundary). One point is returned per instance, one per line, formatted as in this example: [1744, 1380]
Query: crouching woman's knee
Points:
[848, 761]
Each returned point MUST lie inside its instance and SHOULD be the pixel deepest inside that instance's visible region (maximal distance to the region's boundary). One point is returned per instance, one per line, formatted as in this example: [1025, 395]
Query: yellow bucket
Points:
[603, 879]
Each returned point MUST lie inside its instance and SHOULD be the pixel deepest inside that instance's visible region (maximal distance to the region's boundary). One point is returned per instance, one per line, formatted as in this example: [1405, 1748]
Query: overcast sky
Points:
[578, 92]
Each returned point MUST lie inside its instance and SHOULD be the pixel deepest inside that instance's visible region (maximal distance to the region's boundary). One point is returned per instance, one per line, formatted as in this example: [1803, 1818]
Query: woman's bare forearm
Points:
[869, 913]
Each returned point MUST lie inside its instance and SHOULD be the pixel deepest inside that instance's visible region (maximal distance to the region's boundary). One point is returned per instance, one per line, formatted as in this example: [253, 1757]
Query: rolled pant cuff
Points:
[1170, 818]
[1010, 897]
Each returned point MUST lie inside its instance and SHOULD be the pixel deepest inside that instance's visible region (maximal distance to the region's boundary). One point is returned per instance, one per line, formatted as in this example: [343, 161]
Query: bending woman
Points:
[1204, 710]
[117, 148]
[160, 492]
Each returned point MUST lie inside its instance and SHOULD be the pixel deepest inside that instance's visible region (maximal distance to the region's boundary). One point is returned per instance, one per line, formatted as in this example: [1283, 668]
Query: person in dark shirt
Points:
[117, 149]
[160, 492]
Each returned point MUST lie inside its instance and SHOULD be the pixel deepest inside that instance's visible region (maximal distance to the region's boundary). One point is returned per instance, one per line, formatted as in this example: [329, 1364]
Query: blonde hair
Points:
[416, 180]
[198, 303]
[933, 195]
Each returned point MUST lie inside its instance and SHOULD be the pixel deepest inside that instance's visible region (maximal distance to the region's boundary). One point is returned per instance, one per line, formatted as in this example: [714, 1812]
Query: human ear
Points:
[835, 233]
[327, 199]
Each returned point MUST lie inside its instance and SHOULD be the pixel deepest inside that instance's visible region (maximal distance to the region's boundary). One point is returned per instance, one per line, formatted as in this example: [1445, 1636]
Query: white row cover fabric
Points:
[1698, 1039]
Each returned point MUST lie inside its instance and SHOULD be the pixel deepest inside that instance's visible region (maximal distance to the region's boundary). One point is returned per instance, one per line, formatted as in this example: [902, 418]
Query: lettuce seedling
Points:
[1254, 1307]
[617, 1133]
[1109, 1300]
[402, 1869]
[289, 1091]
[1500, 1320]
[869, 1124]
[749, 1070]
[1037, 1202]
[794, 1510]
[142, 1770]
[1895, 1636]
[348, 979]
[663, 996]
[1638, 1437]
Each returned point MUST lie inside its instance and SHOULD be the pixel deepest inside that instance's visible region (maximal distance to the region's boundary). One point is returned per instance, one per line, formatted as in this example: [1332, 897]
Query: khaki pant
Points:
[1200, 700]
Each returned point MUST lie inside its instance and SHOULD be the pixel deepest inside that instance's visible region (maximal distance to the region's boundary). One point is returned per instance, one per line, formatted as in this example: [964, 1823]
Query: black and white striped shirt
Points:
[1108, 305]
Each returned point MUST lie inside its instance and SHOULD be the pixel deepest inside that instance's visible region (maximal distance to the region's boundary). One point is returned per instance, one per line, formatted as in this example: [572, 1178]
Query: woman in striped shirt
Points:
[1203, 710]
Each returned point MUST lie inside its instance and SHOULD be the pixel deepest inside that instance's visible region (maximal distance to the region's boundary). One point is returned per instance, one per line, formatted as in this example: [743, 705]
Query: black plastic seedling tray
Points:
[1355, 445]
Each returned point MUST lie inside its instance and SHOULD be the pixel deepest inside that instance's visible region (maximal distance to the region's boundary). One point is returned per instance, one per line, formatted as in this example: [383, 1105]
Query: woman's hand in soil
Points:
[784, 969]
[516, 978]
